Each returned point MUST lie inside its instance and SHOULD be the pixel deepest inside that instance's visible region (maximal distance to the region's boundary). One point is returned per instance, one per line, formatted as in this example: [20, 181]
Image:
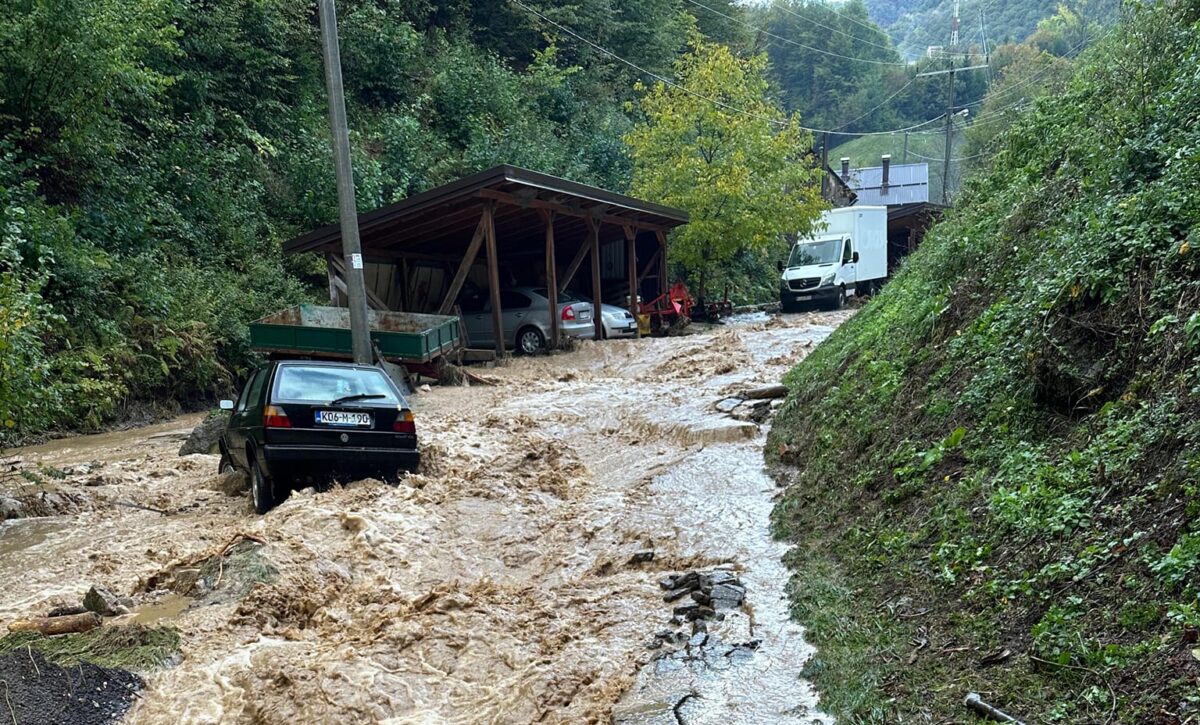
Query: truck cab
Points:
[821, 271]
[846, 256]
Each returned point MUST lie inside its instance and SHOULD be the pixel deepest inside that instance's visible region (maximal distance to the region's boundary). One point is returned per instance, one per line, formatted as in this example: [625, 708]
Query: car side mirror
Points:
[855, 257]
[226, 405]
[779, 266]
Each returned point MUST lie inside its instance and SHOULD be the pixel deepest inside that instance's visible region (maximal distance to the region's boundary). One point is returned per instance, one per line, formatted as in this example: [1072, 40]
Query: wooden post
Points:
[333, 288]
[631, 269]
[662, 263]
[406, 301]
[551, 279]
[597, 297]
[464, 267]
[489, 233]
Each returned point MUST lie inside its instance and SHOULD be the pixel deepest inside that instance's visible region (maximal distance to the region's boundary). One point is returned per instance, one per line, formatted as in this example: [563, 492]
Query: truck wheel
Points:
[786, 307]
[262, 489]
[530, 340]
[840, 301]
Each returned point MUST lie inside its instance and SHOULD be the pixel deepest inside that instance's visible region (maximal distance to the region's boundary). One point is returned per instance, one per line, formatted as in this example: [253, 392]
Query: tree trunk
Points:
[57, 625]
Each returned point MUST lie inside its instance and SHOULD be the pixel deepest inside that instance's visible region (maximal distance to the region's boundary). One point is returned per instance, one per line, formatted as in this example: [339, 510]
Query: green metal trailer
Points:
[415, 340]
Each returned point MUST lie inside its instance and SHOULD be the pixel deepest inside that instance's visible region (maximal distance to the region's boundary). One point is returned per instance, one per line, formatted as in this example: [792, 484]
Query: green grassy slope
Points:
[993, 470]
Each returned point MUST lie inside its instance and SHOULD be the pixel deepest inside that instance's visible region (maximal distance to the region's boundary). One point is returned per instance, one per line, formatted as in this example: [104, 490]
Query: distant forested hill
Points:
[914, 25]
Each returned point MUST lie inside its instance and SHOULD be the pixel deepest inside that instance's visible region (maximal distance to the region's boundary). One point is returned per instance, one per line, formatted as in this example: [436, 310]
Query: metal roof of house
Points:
[907, 184]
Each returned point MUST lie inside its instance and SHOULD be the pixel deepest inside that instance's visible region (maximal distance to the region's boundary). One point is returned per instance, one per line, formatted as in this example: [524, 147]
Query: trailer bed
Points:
[313, 330]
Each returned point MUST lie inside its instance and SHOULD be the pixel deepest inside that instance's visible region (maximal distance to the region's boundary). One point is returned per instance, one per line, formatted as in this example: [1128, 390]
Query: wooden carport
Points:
[420, 252]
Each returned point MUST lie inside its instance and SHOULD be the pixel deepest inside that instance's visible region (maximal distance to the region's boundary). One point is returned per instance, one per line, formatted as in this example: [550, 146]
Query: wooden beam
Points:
[649, 265]
[597, 297]
[464, 268]
[372, 299]
[583, 212]
[333, 290]
[551, 278]
[489, 233]
[662, 262]
[631, 269]
[573, 267]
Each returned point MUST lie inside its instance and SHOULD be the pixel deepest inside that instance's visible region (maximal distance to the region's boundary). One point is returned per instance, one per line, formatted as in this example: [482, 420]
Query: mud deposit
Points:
[515, 580]
[33, 690]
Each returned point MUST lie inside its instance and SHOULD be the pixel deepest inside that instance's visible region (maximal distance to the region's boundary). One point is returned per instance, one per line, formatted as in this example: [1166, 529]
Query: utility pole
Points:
[950, 111]
[356, 291]
[905, 161]
[825, 181]
[949, 129]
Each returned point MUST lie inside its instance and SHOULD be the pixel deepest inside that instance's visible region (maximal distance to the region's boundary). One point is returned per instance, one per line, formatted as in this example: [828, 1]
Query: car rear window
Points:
[322, 384]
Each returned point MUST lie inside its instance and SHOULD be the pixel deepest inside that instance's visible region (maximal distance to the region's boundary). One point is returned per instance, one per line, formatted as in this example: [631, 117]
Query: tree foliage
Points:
[155, 153]
[745, 176]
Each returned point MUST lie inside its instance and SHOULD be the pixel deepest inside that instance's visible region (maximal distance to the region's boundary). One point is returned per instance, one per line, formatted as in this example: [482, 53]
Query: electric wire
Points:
[715, 102]
[783, 6]
[799, 45]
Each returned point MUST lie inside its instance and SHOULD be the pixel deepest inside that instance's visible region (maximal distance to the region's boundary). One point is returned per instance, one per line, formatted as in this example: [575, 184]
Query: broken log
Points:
[976, 703]
[67, 624]
[766, 392]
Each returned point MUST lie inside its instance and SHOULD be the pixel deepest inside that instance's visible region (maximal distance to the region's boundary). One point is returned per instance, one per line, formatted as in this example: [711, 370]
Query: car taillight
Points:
[404, 423]
[568, 313]
[274, 417]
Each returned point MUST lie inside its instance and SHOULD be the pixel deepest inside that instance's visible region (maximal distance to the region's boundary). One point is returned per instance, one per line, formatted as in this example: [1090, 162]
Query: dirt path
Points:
[502, 585]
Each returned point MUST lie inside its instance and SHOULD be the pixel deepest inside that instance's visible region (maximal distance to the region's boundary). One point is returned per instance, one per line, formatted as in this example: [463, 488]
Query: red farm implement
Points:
[669, 310]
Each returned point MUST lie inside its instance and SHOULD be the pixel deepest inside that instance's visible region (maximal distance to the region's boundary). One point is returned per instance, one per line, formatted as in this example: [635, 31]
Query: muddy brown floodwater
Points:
[506, 583]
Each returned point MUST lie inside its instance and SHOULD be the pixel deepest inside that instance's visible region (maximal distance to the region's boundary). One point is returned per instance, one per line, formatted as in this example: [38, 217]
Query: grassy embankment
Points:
[993, 470]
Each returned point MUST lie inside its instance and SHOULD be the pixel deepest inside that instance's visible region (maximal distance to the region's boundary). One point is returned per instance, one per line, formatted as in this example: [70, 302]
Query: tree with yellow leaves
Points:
[717, 146]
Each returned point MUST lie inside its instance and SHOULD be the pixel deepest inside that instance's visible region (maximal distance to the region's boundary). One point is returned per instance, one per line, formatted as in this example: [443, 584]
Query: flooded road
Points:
[515, 579]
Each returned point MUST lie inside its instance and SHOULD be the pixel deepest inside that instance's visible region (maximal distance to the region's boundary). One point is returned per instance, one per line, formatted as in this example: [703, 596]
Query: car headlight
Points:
[828, 279]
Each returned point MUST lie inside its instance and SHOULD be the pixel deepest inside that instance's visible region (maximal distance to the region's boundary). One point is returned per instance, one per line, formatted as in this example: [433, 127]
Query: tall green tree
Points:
[745, 176]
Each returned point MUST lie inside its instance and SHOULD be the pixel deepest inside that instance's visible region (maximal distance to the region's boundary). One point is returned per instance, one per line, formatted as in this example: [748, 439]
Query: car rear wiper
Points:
[360, 396]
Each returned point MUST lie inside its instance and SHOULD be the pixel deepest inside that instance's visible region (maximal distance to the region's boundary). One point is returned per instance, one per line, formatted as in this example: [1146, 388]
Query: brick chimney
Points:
[887, 173]
[846, 169]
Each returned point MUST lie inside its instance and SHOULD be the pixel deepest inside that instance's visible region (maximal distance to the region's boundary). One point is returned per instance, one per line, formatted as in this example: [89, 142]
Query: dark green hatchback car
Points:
[306, 422]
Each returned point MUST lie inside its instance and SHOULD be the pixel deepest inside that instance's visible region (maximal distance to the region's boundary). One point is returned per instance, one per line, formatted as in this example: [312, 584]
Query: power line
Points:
[880, 105]
[784, 7]
[799, 45]
[715, 102]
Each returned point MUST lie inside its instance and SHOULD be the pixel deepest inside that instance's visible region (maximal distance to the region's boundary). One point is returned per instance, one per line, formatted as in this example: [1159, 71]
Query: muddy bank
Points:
[502, 584]
[35, 690]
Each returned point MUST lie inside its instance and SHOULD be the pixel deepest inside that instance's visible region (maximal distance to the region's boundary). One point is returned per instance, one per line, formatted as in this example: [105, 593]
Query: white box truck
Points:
[845, 256]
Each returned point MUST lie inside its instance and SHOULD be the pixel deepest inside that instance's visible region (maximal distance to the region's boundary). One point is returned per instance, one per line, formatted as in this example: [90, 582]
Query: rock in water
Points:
[204, 436]
[101, 601]
[727, 596]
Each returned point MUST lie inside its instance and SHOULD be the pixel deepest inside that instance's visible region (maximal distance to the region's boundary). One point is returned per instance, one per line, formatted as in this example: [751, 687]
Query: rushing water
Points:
[749, 670]
[497, 586]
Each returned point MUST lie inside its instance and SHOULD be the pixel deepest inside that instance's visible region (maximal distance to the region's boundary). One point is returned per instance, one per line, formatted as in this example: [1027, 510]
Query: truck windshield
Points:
[808, 253]
[324, 383]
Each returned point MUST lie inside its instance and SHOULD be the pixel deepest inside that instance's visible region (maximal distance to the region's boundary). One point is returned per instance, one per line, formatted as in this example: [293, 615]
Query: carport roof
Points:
[441, 220]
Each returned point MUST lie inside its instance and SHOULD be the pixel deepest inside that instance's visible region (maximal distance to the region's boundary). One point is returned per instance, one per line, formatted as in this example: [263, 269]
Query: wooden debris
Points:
[765, 392]
[57, 625]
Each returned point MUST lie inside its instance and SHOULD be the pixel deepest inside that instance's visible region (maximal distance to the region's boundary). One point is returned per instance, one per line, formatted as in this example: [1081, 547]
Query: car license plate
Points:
[631, 326]
[803, 298]
[344, 418]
